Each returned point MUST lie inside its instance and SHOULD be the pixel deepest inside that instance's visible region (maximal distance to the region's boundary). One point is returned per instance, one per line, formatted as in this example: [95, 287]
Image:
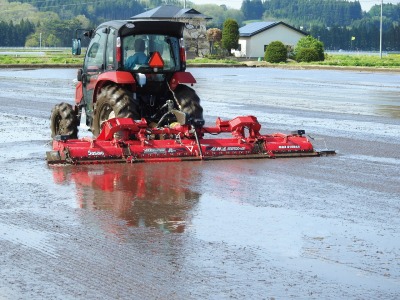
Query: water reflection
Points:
[390, 111]
[144, 195]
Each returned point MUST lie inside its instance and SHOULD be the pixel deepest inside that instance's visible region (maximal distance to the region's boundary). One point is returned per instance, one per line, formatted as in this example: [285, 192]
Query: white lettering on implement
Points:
[226, 149]
[95, 153]
[155, 151]
[289, 147]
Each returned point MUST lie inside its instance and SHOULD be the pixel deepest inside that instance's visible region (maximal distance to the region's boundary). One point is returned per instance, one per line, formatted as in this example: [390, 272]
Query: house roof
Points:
[171, 12]
[257, 27]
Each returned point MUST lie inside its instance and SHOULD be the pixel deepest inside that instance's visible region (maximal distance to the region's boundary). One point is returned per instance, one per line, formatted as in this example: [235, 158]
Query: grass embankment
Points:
[226, 61]
[38, 57]
[370, 61]
[387, 61]
[65, 58]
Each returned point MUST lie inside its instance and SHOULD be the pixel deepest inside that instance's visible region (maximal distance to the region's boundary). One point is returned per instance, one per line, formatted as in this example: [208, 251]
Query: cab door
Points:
[93, 66]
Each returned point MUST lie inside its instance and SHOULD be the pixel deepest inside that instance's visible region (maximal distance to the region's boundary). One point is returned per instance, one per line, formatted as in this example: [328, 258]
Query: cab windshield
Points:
[137, 50]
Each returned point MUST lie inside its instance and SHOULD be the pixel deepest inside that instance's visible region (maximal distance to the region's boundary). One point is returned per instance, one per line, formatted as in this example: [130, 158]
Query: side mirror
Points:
[89, 33]
[76, 47]
[79, 75]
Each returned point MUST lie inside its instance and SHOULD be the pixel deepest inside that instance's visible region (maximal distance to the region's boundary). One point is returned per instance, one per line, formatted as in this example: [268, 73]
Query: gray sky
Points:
[365, 4]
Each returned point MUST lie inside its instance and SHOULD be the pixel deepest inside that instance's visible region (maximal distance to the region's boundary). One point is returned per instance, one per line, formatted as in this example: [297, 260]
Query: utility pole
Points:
[184, 4]
[380, 33]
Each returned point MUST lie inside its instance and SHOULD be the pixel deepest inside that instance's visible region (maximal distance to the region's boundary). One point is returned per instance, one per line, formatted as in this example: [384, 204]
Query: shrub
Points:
[310, 42]
[307, 55]
[276, 52]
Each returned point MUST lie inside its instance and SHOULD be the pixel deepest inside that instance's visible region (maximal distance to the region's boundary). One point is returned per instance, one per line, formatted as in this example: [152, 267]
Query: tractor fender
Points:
[181, 77]
[117, 77]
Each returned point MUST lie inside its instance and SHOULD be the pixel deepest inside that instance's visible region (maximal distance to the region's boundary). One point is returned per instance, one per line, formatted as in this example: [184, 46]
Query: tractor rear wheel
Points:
[190, 103]
[113, 102]
[64, 121]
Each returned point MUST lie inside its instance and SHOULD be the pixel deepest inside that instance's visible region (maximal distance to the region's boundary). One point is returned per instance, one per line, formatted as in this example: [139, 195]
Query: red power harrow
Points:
[126, 140]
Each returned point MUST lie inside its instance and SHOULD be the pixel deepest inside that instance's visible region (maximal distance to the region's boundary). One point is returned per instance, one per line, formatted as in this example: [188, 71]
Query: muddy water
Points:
[306, 228]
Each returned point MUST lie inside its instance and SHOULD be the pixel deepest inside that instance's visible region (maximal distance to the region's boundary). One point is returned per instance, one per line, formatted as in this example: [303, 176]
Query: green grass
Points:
[229, 61]
[373, 61]
[6, 60]
[28, 57]
[64, 57]
[388, 61]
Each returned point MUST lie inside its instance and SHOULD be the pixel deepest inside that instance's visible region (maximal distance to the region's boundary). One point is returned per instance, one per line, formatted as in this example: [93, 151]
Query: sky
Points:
[365, 4]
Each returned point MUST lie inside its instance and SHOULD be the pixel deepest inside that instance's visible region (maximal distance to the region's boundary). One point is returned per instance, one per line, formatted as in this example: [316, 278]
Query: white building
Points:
[255, 37]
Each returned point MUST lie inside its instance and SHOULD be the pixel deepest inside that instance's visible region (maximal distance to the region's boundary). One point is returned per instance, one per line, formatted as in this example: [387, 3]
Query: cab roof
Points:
[128, 27]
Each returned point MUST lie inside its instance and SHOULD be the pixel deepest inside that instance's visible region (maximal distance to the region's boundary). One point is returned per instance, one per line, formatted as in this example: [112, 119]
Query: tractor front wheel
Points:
[112, 102]
[64, 121]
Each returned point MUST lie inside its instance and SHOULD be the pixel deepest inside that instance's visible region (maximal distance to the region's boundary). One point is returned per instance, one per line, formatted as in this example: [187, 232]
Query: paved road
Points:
[306, 228]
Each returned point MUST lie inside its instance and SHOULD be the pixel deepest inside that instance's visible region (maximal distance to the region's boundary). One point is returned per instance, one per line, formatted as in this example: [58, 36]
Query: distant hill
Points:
[95, 11]
[340, 24]
[303, 12]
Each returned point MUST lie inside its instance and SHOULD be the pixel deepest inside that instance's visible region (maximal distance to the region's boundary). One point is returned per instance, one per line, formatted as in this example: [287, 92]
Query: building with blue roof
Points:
[255, 37]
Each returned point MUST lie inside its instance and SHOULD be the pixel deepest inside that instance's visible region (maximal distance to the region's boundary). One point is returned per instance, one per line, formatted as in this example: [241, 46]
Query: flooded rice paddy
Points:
[303, 228]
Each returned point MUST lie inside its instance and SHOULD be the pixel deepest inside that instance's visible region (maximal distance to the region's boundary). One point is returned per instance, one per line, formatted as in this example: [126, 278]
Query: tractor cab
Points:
[152, 59]
[150, 53]
[137, 46]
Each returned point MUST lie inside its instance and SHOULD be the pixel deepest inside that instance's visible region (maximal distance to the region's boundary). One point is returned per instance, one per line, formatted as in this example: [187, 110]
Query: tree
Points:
[214, 37]
[252, 9]
[230, 35]
[32, 40]
[218, 14]
[53, 41]
[310, 43]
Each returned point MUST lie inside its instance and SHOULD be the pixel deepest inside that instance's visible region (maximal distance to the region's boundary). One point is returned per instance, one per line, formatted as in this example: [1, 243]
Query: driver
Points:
[139, 58]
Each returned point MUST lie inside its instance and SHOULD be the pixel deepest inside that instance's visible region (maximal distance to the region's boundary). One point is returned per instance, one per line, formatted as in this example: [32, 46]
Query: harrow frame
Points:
[124, 140]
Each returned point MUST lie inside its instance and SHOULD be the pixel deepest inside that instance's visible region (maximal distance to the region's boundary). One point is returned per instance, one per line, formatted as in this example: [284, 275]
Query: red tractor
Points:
[135, 91]
[114, 83]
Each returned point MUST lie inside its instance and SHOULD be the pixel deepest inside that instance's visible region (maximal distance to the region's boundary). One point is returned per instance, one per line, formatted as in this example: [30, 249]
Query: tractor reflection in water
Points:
[145, 195]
